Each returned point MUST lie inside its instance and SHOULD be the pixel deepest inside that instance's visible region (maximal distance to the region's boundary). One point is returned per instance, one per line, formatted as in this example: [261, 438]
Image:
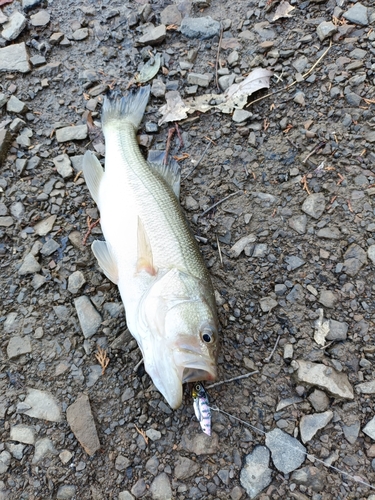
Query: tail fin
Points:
[130, 108]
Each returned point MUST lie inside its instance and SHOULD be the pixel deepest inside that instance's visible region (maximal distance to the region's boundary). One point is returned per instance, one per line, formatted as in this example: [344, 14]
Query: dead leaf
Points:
[258, 79]
[234, 98]
[282, 10]
[321, 329]
[175, 109]
[149, 70]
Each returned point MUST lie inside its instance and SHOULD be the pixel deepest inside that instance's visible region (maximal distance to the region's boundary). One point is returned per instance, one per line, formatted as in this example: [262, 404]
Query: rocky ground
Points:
[291, 252]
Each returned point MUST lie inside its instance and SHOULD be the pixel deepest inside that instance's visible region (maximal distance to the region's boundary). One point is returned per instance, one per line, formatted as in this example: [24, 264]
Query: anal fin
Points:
[105, 259]
[93, 173]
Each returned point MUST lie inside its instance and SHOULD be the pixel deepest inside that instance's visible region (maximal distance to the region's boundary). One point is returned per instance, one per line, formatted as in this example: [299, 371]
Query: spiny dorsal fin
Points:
[105, 259]
[171, 172]
[145, 260]
[93, 173]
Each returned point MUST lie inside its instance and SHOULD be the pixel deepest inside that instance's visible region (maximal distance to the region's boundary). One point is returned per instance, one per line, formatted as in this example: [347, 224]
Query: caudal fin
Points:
[128, 109]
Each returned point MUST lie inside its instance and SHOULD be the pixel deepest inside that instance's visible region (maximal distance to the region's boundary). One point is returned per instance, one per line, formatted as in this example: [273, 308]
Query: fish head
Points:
[182, 345]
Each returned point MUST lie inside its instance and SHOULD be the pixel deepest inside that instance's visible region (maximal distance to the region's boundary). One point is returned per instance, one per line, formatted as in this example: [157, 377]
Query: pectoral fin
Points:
[145, 260]
[171, 172]
[105, 259]
[93, 173]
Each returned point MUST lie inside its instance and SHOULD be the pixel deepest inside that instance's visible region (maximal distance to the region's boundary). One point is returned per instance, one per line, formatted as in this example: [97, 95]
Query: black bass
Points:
[150, 253]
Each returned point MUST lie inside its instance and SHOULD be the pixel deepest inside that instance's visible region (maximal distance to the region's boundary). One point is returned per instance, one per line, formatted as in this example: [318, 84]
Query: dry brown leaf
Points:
[174, 109]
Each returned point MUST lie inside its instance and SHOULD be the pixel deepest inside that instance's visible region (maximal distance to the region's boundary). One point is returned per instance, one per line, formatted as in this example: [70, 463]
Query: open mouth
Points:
[196, 375]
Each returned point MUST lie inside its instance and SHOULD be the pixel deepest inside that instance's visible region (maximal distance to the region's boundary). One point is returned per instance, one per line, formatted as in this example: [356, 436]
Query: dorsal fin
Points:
[145, 259]
[105, 259]
[93, 173]
[171, 172]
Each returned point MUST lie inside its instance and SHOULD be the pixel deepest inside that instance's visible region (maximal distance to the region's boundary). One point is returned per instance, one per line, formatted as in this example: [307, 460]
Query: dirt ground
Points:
[301, 174]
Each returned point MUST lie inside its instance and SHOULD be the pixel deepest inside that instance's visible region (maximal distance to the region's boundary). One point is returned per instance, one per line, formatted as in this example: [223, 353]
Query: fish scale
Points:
[179, 247]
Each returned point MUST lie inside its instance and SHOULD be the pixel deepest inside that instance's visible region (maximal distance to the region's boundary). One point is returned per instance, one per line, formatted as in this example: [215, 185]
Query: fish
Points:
[151, 254]
[201, 408]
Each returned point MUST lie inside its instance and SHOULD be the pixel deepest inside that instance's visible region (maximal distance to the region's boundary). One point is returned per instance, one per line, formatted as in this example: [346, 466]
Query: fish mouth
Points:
[196, 375]
[194, 367]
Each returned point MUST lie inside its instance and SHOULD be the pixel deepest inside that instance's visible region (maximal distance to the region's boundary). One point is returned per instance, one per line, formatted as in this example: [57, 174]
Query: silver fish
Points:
[152, 256]
[201, 408]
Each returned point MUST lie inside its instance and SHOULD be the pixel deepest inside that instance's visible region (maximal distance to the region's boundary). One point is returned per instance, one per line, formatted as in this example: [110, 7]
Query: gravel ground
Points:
[291, 252]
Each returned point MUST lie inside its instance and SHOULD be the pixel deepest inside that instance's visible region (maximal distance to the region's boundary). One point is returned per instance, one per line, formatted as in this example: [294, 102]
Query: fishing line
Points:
[308, 455]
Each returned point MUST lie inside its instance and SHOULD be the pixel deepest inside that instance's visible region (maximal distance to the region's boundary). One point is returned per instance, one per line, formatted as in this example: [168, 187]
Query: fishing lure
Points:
[201, 408]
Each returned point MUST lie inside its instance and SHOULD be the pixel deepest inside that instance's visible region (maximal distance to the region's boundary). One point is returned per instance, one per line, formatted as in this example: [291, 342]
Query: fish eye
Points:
[208, 336]
[198, 387]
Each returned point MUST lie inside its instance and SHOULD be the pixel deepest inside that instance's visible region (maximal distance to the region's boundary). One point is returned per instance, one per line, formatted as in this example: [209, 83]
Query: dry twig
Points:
[332, 199]
[184, 156]
[267, 360]
[91, 226]
[232, 379]
[342, 178]
[305, 185]
[218, 247]
[219, 202]
[319, 146]
[199, 161]
[142, 433]
[102, 358]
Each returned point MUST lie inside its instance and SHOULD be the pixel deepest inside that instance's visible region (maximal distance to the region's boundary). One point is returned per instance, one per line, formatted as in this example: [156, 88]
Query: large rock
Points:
[89, 318]
[357, 14]
[82, 423]
[44, 447]
[310, 477]
[16, 23]
[43, 227]
[17, 346]
[287, 452]
[161, 487]
[14, 58]
[256, 475]
[77, 133]
[310, 424]
[324, 377]
[200, 27]
[200, 444]
[314, 205]
[42, 405]
[22, 434]
[354, 258]
[185, 468]
[29, 265]
[153, 36]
